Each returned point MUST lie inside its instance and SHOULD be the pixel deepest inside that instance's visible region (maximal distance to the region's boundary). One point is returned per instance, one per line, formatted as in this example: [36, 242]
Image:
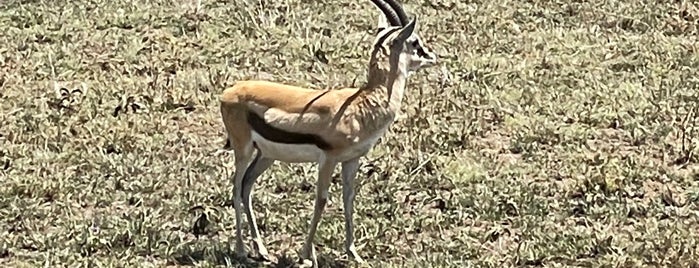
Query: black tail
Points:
[228, 144]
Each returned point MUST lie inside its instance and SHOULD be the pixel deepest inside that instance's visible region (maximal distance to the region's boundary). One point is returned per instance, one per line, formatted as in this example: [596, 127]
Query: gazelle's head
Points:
[397, 45]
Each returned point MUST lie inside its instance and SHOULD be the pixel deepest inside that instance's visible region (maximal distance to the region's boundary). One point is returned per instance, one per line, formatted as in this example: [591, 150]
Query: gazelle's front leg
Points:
[349, 172]
[325, 171]
[256, 168]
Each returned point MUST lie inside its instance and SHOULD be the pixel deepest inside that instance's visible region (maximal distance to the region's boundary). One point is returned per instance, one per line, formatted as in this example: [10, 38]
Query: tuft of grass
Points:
[551, 134]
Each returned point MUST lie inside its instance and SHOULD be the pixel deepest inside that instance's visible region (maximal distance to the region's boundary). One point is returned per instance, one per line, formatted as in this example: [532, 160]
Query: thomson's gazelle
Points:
[267, 121]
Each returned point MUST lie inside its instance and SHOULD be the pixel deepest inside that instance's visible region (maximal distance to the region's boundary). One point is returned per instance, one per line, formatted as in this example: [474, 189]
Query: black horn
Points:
[398, 8]
[390, 12]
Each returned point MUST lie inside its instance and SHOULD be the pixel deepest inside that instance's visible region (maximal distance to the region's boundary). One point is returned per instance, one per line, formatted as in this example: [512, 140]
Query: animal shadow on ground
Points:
[222, 255]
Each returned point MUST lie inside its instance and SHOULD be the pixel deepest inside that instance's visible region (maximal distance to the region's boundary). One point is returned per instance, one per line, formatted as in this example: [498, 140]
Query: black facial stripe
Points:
[421, 52]
[282, 136]
[419, 49]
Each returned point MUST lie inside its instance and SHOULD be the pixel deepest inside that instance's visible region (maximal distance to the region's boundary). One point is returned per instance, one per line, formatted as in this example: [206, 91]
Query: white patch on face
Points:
[419, 55]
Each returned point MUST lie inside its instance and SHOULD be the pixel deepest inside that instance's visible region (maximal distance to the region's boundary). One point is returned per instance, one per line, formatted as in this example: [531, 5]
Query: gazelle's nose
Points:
[431, 57]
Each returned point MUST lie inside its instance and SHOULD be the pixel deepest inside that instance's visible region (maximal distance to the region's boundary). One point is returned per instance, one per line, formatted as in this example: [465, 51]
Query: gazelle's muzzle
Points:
[427, 57]
[431, 58]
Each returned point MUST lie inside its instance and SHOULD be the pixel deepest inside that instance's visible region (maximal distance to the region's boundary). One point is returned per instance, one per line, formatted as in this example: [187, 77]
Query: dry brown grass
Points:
[552, 133]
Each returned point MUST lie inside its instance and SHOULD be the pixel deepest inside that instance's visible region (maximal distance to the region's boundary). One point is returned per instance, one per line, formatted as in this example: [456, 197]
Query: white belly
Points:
[287, 152]
[309, 152]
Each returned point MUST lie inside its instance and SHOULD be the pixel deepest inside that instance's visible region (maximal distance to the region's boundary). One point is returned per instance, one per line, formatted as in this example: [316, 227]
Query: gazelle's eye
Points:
[421, 52]
[415, 43]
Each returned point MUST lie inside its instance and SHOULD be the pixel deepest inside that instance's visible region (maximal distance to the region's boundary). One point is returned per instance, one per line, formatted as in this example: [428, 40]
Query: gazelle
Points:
[278, 122]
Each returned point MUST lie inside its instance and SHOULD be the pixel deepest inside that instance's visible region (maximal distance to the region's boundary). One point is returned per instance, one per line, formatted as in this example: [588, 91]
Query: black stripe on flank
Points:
[282, 136]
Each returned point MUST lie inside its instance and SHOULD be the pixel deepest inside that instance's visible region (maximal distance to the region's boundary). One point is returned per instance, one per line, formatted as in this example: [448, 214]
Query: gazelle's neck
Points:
[390, 86]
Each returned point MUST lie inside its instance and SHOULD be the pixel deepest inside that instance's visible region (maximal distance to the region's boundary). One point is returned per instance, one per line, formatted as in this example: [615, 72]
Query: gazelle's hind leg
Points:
[243, 156]
[256, 168]
[240, 140]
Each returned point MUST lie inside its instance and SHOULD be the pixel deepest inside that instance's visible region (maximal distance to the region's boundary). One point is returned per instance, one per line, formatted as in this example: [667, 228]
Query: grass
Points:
[557, 134]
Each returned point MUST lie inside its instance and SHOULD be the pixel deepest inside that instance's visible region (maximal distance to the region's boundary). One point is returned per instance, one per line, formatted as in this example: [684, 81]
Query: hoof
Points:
[262, 251]
[308, 257]
[241, 253]
[353, 255]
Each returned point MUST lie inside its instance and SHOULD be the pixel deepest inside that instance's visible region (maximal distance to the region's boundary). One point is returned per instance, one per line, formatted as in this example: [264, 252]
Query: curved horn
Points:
[398, 8]
[390, 13]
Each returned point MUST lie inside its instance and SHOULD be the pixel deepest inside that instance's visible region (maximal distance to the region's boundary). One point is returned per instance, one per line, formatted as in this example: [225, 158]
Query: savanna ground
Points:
[551, 133]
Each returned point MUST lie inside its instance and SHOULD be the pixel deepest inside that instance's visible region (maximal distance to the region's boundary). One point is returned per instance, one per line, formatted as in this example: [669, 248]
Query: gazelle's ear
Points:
[382, 24]
[406, 31]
